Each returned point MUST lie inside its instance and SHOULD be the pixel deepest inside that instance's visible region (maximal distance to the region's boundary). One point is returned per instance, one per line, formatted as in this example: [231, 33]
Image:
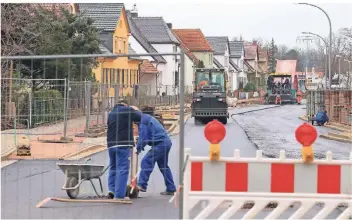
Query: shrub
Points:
[250, 87]
[48, 106]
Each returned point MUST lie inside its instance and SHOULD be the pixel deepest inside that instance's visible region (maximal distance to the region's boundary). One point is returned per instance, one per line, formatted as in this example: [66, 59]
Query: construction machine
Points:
[209, 95]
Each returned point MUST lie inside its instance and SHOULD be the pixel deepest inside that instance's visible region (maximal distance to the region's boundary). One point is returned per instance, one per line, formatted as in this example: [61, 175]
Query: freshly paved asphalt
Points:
[26, 183]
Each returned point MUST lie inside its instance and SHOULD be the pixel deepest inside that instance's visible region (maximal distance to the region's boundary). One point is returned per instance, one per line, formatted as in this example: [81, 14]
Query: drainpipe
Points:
[156, 79]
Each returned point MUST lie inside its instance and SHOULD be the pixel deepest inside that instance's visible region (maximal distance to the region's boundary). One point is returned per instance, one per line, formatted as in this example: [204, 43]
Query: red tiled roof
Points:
[193, 39]
[263, 55]
[147, 67]
[250, 52]
[186, 50]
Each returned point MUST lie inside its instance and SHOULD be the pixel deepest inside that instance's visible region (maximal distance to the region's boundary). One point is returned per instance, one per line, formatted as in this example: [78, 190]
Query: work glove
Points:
[139, 150]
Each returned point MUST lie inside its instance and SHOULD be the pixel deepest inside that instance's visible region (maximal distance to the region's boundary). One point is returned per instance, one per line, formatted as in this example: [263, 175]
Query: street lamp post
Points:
[326, 54]
[330, 37]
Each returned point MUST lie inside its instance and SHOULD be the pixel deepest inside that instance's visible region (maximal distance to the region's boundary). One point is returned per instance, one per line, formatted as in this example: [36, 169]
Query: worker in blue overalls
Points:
[119, 142]
[152, 133]
[322, 118]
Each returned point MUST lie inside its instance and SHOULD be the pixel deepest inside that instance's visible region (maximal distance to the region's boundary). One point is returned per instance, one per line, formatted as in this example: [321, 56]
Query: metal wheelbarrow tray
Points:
[76, 174]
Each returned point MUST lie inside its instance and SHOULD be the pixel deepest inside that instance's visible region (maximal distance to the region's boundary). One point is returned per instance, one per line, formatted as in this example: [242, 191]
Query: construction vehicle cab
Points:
[280, 87]
[209, 96]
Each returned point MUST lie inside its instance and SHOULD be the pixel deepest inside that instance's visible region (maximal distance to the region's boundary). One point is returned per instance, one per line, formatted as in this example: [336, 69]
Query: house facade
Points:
[237, 67]
[111, 20]
[197, 44]
[256, 63]
[221, 47]
[153, 35]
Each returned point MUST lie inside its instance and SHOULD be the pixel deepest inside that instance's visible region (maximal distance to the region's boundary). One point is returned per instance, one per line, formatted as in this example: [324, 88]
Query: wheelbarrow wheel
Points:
[71, 182]
[134, 194]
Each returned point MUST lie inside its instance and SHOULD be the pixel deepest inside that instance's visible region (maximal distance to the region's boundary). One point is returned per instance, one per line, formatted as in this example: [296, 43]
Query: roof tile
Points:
[105, 15]
[219, 44]
[147, 67]
[155, 30]
[187, 51]
[194, 40]
[236, 49]
[138, 35]
[250, 52]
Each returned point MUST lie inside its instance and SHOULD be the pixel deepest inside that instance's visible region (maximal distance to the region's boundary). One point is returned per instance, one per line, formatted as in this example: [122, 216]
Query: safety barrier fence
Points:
[264, 181]
[338, 104]
[79, 105]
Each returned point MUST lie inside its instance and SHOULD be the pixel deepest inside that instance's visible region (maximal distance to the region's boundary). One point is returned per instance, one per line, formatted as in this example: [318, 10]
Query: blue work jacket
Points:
[151, 133]
[120, 127]
[321, 117]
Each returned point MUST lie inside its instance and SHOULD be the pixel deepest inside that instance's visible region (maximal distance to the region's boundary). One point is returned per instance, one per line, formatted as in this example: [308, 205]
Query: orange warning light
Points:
[306, 134]
[214, 132]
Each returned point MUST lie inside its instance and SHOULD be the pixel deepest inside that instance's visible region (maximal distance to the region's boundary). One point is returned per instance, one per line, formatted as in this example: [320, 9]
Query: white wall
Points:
[167, 76]
[204, 56]
[137, 47]
[149, 80]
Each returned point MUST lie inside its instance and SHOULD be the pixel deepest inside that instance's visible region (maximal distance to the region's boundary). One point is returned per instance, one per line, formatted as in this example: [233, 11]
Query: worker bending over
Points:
[120, 141]
[152, 133]
[322, 118]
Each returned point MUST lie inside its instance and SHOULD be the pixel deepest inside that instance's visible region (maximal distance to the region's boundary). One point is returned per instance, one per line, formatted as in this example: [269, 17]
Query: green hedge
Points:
[47, 106]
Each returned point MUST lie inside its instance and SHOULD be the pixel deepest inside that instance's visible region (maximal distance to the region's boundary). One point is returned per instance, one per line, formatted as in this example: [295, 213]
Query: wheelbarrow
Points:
[76, 174]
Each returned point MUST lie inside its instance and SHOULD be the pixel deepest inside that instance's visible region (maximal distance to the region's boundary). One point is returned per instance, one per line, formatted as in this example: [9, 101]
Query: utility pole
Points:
[307, 40]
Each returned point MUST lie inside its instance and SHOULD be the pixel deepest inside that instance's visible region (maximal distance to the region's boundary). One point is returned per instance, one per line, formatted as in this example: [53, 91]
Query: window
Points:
[118, 76]
[106, 76]
[210, 58]
[116, 43]
[103, 76]
[176, 79]
[124, 47]
[131, 83]
[137, 77]
[119, 45]
[123, 77]
[112, 76]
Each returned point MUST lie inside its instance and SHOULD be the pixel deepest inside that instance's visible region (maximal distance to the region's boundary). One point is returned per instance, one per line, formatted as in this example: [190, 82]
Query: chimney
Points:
[134, 11]
[169, 25]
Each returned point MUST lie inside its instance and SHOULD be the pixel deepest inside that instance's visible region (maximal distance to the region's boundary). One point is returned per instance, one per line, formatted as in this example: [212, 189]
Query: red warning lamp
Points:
[306, 134]
[214, 132]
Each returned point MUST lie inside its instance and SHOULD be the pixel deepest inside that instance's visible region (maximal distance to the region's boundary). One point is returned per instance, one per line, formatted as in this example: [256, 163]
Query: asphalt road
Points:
[26, 183]
[273, 130]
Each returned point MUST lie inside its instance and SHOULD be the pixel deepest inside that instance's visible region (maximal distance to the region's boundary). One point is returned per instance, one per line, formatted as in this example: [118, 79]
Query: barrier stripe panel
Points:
[306, 178]
[196, 176]
[236, 177]
[282, 178]
[346, 179]
[271, 177]
[214, 176]
[329, 180]
[259, 175]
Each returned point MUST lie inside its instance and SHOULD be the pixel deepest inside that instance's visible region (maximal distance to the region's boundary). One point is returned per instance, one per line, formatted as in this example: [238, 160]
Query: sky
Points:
[282, 20]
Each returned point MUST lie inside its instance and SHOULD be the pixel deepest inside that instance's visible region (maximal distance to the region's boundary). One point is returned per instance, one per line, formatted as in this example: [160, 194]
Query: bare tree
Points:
[19, 35]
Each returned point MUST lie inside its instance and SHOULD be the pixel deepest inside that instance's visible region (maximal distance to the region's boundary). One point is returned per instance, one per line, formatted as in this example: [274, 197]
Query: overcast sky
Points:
[282, 20]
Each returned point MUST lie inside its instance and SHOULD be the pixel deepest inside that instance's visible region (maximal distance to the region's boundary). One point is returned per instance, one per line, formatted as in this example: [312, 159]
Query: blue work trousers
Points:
[119, 170]
[157, 154]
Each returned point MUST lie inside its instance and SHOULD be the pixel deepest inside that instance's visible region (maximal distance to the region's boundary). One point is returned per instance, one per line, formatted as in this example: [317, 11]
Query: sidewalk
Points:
[9, 139]
[343, 133]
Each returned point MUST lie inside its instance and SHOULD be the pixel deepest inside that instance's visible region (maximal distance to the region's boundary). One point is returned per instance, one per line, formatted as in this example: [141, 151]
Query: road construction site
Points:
[269, 128]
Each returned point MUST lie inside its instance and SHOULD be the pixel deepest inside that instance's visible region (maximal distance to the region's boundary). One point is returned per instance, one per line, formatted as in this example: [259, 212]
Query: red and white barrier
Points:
[264, 180]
